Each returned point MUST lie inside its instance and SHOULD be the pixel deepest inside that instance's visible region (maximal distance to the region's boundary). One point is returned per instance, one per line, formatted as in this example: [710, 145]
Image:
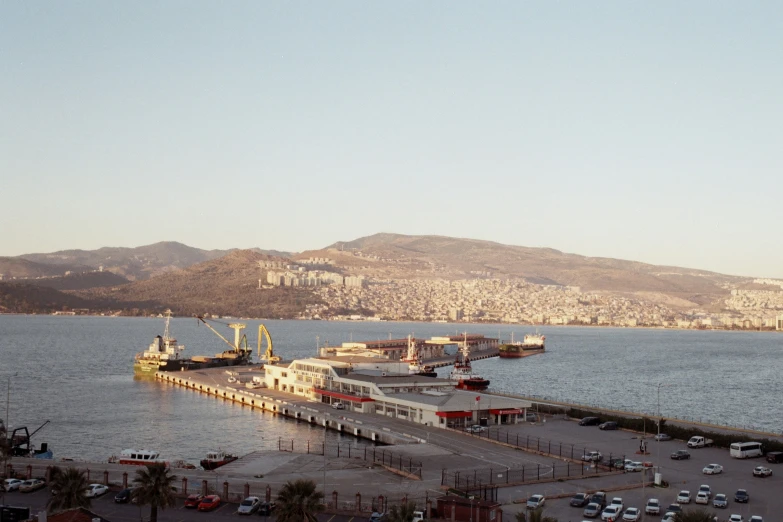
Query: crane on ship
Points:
[239, 346]
[269, 356]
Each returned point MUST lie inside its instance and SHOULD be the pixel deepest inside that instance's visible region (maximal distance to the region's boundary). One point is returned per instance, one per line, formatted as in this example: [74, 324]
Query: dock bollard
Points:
[204, 488]
[185, 486]
[125, 480]
[268, 493]
[225, 490]
[106, 478]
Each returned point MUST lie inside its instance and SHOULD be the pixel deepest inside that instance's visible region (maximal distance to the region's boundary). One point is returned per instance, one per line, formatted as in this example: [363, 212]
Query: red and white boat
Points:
[463, 372]
[136, 457]
[413, 358]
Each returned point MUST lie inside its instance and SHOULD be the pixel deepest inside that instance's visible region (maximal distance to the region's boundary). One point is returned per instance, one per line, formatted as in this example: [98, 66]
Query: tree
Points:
[154, 486]
[298, 501]
[69, 490]
[402, 513]
[694, 515]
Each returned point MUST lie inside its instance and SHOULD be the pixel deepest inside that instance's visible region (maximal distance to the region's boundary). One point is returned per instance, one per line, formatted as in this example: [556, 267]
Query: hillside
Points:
[79, 281]
[139, 263]
[437, 256]
[20, 268]
[25, 299]
[224, 286]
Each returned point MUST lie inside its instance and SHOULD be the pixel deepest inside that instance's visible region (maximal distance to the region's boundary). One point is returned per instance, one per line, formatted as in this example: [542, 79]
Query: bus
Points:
[744, 450]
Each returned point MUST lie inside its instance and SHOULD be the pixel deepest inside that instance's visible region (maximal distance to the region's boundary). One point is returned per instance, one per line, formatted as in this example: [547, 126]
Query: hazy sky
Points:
[649, 131]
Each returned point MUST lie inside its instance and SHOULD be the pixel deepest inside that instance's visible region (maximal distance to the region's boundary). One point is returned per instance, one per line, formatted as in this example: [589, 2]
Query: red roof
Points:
[343, 396]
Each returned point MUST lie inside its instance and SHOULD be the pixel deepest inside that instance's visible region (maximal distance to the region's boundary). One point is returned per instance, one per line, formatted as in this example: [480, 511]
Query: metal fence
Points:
[477, 480]
[373, 454]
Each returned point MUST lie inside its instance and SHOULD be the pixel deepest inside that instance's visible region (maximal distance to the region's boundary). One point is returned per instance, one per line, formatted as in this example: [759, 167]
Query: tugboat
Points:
[413, 359]
[463, 371]
[532, 343]
[215, 459]
[138, 457]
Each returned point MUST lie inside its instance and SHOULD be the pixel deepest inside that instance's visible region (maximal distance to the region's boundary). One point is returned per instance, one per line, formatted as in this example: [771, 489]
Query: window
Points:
[744, 450]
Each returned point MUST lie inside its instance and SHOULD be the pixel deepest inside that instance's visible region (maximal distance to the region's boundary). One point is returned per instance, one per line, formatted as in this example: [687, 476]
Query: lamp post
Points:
[658, 438]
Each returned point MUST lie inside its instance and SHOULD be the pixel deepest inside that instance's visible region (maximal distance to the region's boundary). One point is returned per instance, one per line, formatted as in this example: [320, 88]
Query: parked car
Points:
[590, 421]
[684, 497]
[610, 425]
[611, 513]
[267, 508]
[631, 514]
[702, 498]
[617, 501]
[536, 501]
[209, 503]
[634, 466]
[249, 506]
[599, 497]
[761, 471]
[669, 517]
[720, 501]
[681, 455]
[124, 496]
[736, 518]
[653, 507]
[704, 488]
[674, 508]
[12, 484]
[712, 469]
[741, 496]
[476, 428]
[592, 456]
[662, 437]
[193, 500]
[96, 490]
[617, 463]
[338, 406]
[580, 500]
[28, 486]
[755, 518]
[377, 517]
[592, 510]
[775, 457]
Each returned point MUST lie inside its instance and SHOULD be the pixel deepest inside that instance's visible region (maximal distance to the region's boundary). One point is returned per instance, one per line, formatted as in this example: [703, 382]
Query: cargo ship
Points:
[463, 373]
[531, 344]
[165, 355]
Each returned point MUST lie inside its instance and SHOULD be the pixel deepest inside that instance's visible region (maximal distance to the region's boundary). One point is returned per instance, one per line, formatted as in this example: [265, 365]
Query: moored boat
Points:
[413, 358]
[163, 354]
[463, 373]
[532, 343]
[215, 459]
[136, 457]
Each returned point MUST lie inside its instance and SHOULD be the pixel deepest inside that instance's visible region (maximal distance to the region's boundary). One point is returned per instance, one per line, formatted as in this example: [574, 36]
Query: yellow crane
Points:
[269, 355]
[236, 346]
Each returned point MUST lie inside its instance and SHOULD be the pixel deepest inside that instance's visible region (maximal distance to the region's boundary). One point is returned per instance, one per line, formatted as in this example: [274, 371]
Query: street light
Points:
[658, 446]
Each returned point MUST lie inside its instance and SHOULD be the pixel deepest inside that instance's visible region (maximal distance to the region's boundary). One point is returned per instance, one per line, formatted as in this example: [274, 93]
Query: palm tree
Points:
[154, 486]
[402, 513]
[694, 515]
[69, 490]
[298, 501]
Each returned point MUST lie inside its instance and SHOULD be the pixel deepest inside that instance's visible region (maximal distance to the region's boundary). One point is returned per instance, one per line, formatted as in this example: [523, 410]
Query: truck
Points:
[699, 442]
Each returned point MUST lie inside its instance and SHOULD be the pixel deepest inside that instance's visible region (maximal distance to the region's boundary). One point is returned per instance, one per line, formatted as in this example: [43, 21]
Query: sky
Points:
[648, 131]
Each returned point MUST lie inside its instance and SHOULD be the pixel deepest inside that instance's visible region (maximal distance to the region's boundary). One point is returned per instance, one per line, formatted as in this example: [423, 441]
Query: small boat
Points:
[136, 457]
[463, 371]
[215, 459]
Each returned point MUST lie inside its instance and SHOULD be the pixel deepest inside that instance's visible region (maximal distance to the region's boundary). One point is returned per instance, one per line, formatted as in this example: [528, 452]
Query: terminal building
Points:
[424, 400]
[396, 349]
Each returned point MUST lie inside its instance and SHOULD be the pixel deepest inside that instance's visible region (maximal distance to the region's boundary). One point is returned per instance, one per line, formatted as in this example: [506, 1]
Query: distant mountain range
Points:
[192, 280]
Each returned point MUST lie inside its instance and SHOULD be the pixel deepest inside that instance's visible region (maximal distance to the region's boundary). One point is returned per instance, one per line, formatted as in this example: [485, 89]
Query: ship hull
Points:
[515, 352]
[209, 465]
[473, 384]
[180, 365]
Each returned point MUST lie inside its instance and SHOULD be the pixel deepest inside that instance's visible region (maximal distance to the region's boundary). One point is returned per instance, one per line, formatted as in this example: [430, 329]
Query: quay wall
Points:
[256, 399]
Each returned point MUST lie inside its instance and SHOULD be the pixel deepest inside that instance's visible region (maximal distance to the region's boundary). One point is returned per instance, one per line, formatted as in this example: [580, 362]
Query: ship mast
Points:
[166, 330]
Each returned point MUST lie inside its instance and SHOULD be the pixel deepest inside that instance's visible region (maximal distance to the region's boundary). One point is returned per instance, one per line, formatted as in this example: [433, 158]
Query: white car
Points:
[96, 490]
[720, 501]
[338, 406]
[653, 507]
[712, 469]
[592, 456]
[704, 488]
[684, 497]
[755, 518]
[12, 484]
[617, 501]
[611, 513]
[249, 506]
[536, 501]
[631, 514]
[476, 428]
[634, 466]
[736, 518]
[761, 471]
[702, 498]
[669, 517]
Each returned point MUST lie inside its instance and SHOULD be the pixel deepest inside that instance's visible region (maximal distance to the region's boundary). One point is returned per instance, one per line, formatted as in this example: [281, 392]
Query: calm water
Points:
[77, 373]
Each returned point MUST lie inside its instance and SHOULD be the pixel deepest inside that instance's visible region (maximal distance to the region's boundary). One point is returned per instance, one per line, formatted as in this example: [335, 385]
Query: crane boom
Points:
[233, 347]
[269, 356]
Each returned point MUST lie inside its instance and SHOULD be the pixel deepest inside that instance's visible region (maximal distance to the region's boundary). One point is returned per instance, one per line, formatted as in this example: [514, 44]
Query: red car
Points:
[209, 503]
[193, 500]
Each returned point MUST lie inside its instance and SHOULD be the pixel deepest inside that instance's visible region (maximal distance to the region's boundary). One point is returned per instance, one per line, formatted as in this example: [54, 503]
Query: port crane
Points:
[239, 346]
[269, 356]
